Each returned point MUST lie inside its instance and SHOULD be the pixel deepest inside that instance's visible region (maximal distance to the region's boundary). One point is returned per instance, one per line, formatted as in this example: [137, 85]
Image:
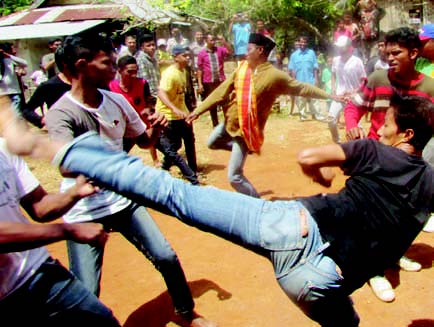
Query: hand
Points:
[355, 133]
[86, 233]
[327, 176]
[83, 187]
[191, 117]
[338, 98]
[200, 89]
[180, 114]
[158, 120]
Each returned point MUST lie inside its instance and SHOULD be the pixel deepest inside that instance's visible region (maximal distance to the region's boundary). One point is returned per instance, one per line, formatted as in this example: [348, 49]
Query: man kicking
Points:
[322, 247]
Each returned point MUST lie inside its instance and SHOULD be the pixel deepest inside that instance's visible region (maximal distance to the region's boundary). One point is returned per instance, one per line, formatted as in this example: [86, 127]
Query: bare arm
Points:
[16, 237]
[156, 122]
[317, 162]
[42, 206]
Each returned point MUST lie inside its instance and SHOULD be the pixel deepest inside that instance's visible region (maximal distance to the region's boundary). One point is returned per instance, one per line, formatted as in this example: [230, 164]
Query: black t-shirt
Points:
[375, 218]
[46, 93]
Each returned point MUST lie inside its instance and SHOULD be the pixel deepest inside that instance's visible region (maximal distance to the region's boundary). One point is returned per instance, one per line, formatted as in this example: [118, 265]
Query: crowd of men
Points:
[145, 93]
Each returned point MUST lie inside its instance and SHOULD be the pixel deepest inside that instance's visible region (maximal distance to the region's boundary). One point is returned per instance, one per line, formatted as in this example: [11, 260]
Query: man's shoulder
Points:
[379, 77]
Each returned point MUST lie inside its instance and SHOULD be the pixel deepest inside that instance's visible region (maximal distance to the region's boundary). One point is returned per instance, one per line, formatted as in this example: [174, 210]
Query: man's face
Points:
[210, 41]
[389, 133]
[381, 47]
[131, 43]
[428, 49]
[149, 48]
[401, 60]
[182, 59]
[129, 72]
[260, 25]
[100, 70]
[254, 53]
[176, 32]
[199, 37]
[302, 43]
[55, 45]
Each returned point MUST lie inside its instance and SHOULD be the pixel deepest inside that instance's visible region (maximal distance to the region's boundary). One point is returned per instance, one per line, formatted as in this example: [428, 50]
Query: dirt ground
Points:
[232, 286]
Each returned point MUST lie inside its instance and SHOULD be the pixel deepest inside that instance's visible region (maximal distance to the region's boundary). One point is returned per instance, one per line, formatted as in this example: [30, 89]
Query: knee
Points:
[235, 179]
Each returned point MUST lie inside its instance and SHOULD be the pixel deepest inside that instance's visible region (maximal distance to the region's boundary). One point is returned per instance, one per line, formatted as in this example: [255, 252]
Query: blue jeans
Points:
[54, 297]
[138, 227]
[272, 229]
[221, 140]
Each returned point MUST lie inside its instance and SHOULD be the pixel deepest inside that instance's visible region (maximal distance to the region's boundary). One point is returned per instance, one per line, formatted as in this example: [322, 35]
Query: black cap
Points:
[262, 40]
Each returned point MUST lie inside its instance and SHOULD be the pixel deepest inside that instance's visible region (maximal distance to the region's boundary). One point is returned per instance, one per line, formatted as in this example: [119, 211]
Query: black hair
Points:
[83, 47]
[146, 38]
[126, 60]
[51, 42]
[6, 47]
[59, 58]
[416, 113]
[405, 37]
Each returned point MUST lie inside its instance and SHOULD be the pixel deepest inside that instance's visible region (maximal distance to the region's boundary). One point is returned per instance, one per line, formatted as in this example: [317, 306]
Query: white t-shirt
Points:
[116, 119]
[349, 74]
[16, 181]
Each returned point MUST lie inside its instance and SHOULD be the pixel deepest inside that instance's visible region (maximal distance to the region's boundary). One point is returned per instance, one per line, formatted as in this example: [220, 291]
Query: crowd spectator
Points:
[303, 66]
[348, 73]
[240, 29]
[47, 61]
[10, 78]
[210, 70]
[176, 39]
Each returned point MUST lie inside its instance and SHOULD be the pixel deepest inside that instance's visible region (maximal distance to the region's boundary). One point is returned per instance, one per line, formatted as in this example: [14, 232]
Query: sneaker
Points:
[409, 265]
[429, 226]
[382, 288]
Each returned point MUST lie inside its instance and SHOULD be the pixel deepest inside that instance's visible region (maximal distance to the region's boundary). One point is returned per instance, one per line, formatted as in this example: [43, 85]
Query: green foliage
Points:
[10, 6]
[289, 18]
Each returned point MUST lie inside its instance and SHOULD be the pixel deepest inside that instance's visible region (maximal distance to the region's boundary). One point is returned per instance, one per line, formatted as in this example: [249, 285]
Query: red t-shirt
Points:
[136, 96]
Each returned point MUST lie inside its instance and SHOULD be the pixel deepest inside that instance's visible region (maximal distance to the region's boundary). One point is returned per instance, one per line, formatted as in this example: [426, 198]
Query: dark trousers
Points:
[170, 142]
[207, 90]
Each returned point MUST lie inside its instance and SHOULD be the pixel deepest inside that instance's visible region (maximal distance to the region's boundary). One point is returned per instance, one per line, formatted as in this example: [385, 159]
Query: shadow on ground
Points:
[159, 311]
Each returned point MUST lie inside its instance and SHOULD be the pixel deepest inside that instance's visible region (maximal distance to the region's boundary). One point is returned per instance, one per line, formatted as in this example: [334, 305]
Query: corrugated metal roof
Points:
[66, 13]
[47, 30]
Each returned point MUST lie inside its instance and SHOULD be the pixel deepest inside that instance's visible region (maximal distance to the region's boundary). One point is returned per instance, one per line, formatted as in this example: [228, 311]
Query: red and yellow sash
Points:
[247, 111]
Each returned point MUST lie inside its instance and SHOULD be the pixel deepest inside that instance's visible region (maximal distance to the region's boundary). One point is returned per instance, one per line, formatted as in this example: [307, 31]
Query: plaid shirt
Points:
[149, 70]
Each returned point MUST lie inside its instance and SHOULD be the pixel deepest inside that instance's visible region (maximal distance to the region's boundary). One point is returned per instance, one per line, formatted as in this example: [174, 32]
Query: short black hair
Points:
[83, 47]
[51, 42]
[146, 38]
[126, 60]
[404, 36]
[416, 113]
[59, 59]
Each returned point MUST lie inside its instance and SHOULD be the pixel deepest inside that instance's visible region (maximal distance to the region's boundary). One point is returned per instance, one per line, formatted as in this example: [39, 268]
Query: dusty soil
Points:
[232, 286]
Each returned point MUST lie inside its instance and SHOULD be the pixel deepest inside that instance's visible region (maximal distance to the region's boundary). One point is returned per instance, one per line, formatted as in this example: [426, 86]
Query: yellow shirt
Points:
[173, 81]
